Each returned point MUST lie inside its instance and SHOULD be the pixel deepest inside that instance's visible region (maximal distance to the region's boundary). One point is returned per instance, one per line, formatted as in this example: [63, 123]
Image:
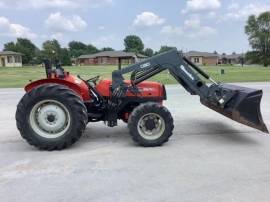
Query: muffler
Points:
[243, 107]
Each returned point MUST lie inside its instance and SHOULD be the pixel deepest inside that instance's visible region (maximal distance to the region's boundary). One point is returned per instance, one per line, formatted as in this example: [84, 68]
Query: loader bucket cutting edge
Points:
[244, 107]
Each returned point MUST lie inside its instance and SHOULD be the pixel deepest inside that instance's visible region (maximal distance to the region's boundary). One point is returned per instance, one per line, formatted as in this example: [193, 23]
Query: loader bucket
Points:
[244, 107]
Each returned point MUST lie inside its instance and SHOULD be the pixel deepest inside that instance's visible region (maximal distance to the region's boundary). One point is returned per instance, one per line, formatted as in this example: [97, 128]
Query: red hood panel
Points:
[147, 88]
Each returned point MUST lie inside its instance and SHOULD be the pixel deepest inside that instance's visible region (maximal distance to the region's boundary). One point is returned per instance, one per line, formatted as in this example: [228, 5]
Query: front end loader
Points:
[54, 112]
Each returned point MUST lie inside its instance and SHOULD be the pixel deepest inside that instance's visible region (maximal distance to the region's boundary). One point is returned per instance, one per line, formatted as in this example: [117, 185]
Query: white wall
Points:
[11, 64]
[194, 60]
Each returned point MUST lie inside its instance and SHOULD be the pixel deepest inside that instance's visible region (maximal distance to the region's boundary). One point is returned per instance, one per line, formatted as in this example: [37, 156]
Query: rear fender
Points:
[77, 85]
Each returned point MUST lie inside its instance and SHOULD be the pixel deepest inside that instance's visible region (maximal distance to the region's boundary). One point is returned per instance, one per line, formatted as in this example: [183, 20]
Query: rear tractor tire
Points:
[51, 117]
[150, 124]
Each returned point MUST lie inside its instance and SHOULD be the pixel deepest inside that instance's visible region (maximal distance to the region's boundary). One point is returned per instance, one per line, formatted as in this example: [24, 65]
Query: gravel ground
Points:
[209, 158]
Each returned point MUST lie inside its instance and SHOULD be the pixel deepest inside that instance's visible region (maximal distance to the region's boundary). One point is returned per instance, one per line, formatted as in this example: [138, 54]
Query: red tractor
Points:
[54, 112]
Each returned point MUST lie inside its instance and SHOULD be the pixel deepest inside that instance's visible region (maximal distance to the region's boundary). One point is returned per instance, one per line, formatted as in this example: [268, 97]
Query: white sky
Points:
[204, 25]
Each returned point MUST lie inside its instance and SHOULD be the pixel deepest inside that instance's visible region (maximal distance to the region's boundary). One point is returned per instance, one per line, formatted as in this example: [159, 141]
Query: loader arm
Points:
[183, 70]
[238, 103]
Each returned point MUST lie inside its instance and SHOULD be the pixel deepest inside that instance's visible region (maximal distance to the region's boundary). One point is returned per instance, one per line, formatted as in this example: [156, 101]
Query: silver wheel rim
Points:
[158, 130]
[49, 119]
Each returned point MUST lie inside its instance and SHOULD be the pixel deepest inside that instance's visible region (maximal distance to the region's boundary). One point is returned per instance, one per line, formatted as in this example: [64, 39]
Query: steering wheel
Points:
[94, 79]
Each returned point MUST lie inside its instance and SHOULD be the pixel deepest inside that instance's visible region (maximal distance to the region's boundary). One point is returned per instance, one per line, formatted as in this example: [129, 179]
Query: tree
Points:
[27, 48]
[133, 43]
[252, 57]
[165, 48]
[77, 45]
[51, 50]
[65, 57]
[10, 46]
[91, 49]
[77, 48]
[38, 59]
[215, 52]
[107, 49]
[258, 31]
[148, 52]
[24, 46]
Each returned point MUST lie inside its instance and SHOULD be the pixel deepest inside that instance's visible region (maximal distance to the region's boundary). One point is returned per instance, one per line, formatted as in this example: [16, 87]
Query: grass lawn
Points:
[11, 77]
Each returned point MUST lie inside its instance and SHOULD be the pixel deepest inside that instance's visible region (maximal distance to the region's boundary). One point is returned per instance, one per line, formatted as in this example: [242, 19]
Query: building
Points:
[231, 59]
[202, 58]
[110, 58]
[10, 59]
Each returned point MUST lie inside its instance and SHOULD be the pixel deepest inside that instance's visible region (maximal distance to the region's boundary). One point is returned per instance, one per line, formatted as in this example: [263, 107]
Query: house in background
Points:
[10, 59]
[231, 59]
[110, 58]
[202, 58]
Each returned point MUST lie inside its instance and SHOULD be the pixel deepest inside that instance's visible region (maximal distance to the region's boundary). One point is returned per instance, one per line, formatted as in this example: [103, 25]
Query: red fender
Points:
[72, 82]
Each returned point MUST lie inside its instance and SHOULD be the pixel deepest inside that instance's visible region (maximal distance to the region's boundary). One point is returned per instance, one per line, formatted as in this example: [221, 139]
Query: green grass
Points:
[11, 77]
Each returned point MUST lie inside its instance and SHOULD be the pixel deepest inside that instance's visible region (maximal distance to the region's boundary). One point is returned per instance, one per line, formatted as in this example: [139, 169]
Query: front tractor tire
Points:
[150, 124]
[51, 117]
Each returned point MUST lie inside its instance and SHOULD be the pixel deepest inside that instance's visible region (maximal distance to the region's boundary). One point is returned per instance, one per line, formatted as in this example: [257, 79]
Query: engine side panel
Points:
[147, 89]
[72, 82]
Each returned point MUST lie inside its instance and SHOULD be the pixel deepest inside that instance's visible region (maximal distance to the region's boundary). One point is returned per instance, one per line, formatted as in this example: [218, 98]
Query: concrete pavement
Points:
[209, 158]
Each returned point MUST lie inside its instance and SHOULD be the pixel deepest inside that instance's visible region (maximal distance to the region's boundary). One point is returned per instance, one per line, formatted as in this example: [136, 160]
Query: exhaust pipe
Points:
[243, 107]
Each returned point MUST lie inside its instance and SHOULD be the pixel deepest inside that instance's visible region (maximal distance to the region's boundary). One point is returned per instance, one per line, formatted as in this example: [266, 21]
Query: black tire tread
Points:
[72, 99]
[147, 107]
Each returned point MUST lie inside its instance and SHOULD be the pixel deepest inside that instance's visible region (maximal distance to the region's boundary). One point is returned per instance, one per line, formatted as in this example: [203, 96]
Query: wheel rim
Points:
[156, 128]
[49, 119]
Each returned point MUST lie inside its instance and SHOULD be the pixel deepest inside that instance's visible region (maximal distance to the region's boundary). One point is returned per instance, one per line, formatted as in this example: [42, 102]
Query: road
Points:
[209, 158]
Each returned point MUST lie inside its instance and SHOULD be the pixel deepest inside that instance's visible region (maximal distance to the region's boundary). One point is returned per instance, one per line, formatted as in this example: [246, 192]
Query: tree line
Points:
[52, 50]
[257, 29]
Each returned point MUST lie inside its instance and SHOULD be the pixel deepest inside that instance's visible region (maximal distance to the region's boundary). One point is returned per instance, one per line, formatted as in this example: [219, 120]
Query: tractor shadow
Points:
[98, 132]
[216, 131]
[221, 132]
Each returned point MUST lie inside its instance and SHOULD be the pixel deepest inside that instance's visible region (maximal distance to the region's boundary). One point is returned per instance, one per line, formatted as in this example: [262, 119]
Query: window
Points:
[197, 60]
[104, 60]
[18, 59]
[10, 59]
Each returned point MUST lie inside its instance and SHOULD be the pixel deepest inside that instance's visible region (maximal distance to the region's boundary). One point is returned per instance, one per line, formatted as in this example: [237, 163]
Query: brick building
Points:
[110, 58]
[202, 58]
[231, 59]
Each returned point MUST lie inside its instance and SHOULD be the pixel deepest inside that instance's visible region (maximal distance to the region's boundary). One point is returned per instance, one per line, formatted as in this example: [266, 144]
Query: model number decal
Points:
[145, 65]
[148, 89]
[187, 73]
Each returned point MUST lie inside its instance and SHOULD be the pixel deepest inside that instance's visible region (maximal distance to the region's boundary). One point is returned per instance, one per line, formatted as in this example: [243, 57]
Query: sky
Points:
[202, 25]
